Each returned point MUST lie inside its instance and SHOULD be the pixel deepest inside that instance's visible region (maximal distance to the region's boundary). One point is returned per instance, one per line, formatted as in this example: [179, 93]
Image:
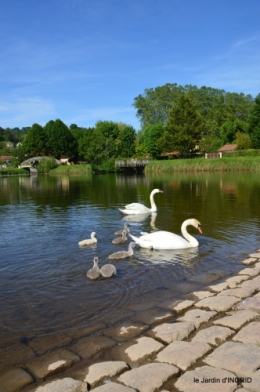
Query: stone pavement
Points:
[213, 345]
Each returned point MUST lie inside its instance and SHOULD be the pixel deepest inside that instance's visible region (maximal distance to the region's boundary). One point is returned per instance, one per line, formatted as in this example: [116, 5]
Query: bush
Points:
[46, 164]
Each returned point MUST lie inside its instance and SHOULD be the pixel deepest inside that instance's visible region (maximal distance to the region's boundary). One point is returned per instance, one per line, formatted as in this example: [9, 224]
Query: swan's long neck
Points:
[95, 262]
[153, 205]
[191, 240]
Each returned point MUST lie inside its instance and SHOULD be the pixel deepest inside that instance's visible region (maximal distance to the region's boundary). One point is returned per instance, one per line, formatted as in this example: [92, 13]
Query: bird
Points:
[119, 232]
[94, 272]
[108, 270]
[120, 240]
[123, 254]
[167, 240]
[138, 208]
[89, 241]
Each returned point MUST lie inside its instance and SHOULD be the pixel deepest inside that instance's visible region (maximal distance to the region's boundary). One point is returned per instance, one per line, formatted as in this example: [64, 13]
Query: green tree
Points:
[210, 143]
[35, 142]
[92, 146]
[126, 140]
[110, 131]
[254, 123]
[243, 141]
[60, 140]
[151, 135]
[184, 128]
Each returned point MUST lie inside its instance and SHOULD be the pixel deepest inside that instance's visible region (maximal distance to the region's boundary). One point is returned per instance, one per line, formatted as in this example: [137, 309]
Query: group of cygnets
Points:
[164, 240]
[108, 270]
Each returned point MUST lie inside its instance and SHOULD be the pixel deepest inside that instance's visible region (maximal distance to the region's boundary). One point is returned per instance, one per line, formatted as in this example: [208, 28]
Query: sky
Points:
[83, 61]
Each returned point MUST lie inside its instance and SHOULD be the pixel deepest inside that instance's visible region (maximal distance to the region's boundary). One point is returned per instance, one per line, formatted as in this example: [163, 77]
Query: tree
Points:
[243, 141]
[126, 140]
[60, 140]
[92, 146]
[110, 131]
[151, 135]
[254, 123]
[35, 142]
[184, 128]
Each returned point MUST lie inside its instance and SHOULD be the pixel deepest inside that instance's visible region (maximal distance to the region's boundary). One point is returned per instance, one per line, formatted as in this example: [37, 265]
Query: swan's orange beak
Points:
[200, 229]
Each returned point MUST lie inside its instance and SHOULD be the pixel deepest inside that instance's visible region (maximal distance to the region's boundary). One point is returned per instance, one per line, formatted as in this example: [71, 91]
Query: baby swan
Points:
[123, 254]
[89, 241]
[120, 232]
[120, 240]
[94, 272]
[108, 270]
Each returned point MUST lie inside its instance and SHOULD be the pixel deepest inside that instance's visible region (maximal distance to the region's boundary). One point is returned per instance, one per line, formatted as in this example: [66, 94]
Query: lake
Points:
[44, 288]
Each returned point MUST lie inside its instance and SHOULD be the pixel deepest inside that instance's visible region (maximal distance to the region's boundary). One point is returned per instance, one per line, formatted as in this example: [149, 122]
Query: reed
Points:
[205, 165]
[13, 171]
[71, 170]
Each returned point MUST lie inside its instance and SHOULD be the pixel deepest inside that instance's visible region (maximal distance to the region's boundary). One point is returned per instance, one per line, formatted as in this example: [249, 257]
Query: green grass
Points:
[71, 170]
[13, 171]
[205, 165]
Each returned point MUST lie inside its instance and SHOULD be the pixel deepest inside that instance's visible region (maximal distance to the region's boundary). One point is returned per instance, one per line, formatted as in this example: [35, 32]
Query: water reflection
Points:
[137, 220]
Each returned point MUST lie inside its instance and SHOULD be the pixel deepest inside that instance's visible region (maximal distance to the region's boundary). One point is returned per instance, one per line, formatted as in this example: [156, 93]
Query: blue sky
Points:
[86, 60]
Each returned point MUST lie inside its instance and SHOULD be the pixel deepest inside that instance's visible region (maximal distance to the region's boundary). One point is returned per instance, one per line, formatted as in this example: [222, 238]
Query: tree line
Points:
[172, 117]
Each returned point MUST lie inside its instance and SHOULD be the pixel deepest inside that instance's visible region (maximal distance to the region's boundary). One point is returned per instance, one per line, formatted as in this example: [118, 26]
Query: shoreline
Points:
[199, 345]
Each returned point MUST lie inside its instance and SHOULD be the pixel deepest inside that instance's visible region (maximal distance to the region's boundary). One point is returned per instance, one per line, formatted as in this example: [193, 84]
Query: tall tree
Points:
[60, 140]
[184, 128]
[151, 135]
[126, 140]
[254, 123]
[35, 142]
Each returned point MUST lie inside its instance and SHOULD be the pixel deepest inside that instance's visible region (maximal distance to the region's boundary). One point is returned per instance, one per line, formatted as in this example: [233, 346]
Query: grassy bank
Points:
[10, 172]
[207, 165]
[71, 170]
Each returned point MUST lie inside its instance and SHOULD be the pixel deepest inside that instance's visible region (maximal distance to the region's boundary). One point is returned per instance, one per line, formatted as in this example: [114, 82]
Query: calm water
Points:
[44, 288]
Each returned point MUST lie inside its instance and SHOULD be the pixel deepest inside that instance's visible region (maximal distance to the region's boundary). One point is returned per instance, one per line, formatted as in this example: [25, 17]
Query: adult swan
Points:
[138, 208]
[166, 240]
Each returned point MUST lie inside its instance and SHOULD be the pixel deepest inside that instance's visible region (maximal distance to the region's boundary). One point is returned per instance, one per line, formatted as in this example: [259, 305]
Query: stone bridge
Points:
[33, 162]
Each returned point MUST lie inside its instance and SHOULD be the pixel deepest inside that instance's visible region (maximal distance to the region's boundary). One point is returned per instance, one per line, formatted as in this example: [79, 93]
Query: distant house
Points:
[227, 147]
[6, 158]
[9, 144]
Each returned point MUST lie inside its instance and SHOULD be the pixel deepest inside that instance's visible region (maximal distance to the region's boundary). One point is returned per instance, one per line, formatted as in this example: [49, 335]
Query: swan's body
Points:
[123, 254]
[138, 208]
[108, 270]
[94, 272]
[167, 240]
[89, 241]
[120, 232]
[120, 240]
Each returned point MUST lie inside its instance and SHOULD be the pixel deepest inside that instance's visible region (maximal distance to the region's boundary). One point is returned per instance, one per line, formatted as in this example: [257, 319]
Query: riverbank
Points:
[242, 164]
[212, 337]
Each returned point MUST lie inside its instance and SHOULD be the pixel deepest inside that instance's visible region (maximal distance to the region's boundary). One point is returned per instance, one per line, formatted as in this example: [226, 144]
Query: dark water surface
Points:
[43, 281]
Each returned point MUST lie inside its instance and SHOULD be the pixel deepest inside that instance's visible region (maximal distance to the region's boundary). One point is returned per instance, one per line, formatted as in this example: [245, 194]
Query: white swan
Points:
[120, 240]
[94, 272]
[137, 208]
[108, 270]
[167, 240]
[123, 254]
[89, 241]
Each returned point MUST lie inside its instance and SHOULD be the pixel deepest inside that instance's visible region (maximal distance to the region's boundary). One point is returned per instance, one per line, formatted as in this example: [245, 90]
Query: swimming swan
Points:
[89, 241]
[123, 254]
[120, 240]
[137, 208]
[108, 270]
[94, 272]
[167, 240]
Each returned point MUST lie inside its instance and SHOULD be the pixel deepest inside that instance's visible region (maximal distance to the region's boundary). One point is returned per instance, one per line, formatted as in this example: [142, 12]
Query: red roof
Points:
[228, 147]
[6, 157]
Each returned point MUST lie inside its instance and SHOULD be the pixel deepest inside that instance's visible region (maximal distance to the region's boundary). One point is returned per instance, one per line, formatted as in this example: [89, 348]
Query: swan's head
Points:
[197, 225]
[93, 234]
[95, 261]
[157, 191]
